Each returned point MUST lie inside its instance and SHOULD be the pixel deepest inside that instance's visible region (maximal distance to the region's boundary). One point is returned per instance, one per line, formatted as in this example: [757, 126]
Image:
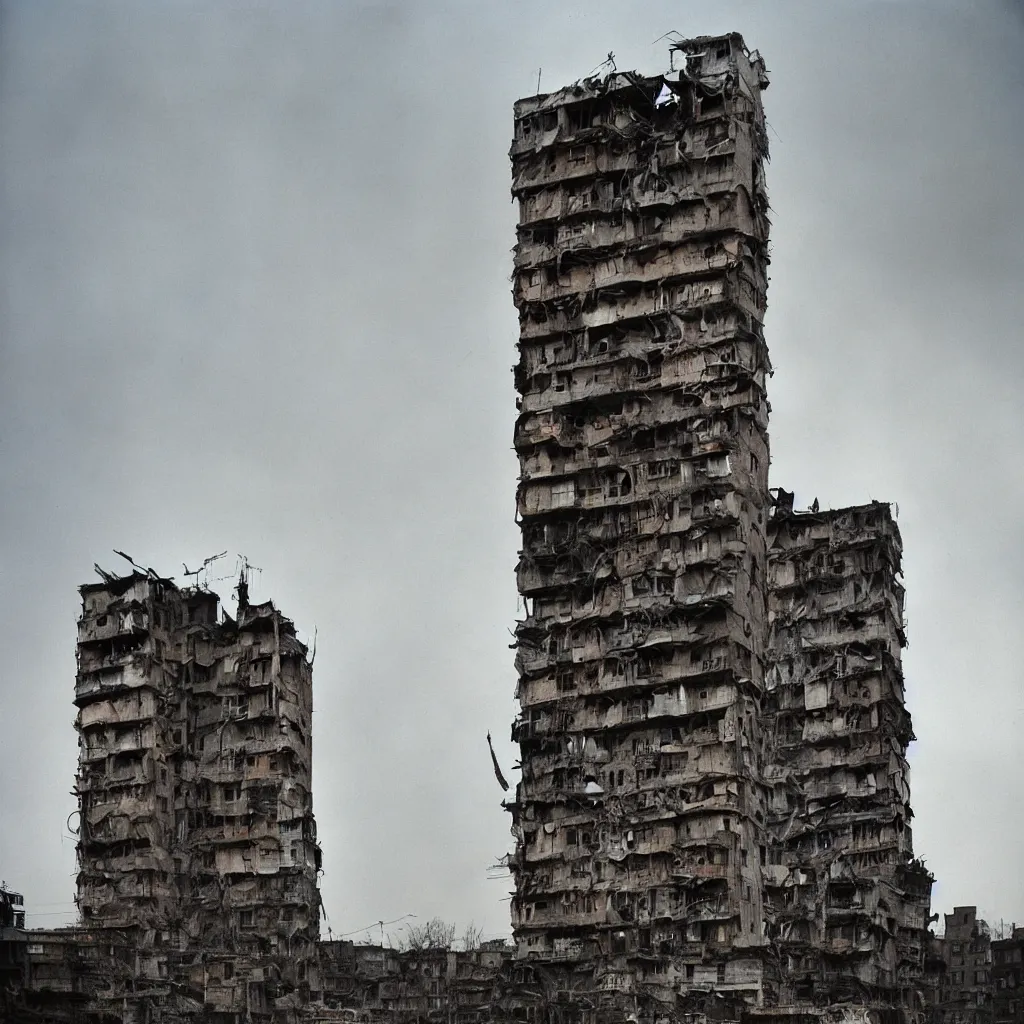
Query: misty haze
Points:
[594, 601]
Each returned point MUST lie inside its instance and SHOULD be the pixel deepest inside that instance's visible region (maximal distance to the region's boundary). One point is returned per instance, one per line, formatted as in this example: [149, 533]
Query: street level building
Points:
[1008, 978]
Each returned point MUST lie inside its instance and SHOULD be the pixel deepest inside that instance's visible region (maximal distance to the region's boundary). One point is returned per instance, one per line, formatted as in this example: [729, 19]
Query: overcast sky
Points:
[254, 296]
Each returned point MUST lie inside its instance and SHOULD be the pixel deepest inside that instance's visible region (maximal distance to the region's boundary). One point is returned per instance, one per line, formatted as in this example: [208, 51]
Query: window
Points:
[237, 704]
[563, 494]
[717, 466]
[245, 919]
[229, 971]
[620, 485]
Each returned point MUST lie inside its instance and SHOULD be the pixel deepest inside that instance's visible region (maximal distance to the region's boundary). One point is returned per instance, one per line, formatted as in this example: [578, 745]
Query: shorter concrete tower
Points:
[197, 842]
[847, 903]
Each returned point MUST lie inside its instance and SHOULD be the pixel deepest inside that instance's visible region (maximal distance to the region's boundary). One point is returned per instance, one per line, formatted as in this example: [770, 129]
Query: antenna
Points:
[246, 567]
[204, 568]
[608, 62]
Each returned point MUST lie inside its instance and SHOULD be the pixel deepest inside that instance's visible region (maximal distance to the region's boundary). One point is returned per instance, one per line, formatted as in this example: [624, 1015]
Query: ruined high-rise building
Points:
[714, 808]
[640, 279]
[847, 903]
[197, 843]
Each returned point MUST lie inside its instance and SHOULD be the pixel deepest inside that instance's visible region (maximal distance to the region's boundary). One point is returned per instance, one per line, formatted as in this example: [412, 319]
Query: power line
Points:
[375, 924]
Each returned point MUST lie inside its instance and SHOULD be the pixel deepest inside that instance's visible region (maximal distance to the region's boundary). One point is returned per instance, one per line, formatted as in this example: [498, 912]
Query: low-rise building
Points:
[1008, 978]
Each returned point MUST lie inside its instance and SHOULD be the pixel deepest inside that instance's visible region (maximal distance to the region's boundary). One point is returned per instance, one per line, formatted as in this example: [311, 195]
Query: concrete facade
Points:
[714, 810]
[847, 902]
[640, 277]
[966, 996]
[1007, 978]
[197, 842]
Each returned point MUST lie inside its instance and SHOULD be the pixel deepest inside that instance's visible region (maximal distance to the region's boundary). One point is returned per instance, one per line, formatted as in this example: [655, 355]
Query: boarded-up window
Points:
[563, 494]
[815, 695]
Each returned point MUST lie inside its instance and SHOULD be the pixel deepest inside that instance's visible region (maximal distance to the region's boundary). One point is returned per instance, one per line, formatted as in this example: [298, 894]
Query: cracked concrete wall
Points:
[847, 904]
[640, 278]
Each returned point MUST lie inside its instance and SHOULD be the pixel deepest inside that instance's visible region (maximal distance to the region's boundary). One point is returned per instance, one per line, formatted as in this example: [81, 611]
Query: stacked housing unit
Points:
[197, 842]
[848, 902]
[965, 992]
[640, 280]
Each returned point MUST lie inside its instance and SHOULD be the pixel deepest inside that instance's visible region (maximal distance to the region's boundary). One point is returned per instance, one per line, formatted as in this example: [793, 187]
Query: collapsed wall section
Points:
[640, 279]
[848, 903]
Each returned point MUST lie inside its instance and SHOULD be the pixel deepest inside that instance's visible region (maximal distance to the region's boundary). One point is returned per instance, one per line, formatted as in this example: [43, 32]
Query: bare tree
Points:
[471, 937]
[434, 934]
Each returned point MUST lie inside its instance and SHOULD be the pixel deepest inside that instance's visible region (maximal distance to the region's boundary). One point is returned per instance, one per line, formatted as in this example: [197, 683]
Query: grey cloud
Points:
[255, 295]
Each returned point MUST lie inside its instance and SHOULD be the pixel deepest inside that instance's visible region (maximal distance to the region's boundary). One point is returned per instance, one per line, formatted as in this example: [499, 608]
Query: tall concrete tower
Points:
[640, 280]
[197, 843]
